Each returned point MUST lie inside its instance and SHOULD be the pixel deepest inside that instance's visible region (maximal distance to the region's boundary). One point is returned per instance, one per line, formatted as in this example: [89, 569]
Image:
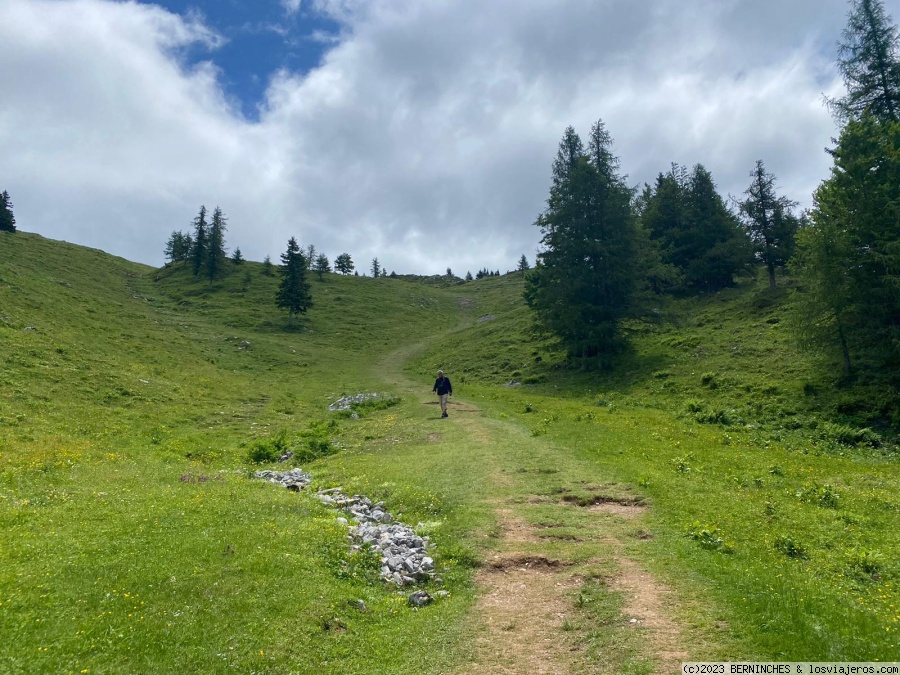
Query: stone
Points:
[419, 599]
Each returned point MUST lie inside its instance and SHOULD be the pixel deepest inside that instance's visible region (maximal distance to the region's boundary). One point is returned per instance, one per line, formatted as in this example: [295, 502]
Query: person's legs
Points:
[443, 399]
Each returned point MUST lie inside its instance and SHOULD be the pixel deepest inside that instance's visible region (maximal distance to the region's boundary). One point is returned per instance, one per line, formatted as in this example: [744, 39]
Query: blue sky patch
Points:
[261, 38]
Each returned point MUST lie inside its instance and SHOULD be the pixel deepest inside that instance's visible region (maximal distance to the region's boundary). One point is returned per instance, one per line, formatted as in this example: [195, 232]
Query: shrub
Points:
[709, 537]
[267, 450]
[791, 548]
[821, 495]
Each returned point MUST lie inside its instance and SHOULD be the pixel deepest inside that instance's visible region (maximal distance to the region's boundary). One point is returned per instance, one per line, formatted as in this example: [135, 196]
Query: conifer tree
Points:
[178, 248]
[215, 255]
[267, 266]
[585, 276]
[293, 291]
[311, 256]
[468, 276]
[769, 221]
[869, 61]
[7, 219]
[376, 268]
[344, 263]
[321, 265]
[236, 257]
[200, 248]
[523, 265]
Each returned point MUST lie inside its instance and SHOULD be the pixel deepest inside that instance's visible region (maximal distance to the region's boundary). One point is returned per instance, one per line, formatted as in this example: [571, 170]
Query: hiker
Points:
[443, 389]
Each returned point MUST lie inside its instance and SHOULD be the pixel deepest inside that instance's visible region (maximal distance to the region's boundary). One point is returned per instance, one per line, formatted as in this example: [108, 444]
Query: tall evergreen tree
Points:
[267, 266]
[293, 291]
[585, 276]
[869, 61]
[344, 263]
[701, 244]
[215, 256]
[376, 268]
[178, 248]
[523, 265]
[311, 256]
[200, 248]
[237, 258]
[769, 220]
[7, 219]
[849, 258]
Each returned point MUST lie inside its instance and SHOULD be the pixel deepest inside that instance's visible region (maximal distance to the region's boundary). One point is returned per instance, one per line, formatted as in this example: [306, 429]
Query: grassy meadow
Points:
[132, 538]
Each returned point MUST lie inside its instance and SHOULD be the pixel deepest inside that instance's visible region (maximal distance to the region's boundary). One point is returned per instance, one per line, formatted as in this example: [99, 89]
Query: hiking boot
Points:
[445, 415]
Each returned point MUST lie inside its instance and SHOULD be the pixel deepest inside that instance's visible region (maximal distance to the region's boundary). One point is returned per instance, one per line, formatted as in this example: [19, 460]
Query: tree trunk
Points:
[771, 269]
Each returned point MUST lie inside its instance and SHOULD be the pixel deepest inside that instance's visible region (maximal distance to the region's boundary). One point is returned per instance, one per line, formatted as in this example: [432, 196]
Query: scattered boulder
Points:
[419, 599]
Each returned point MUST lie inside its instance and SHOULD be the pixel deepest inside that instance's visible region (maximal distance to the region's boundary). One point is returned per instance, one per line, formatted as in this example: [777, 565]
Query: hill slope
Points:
[133, 538]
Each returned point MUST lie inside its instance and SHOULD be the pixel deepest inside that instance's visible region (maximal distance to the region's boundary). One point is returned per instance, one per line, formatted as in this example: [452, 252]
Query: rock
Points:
[419, 599]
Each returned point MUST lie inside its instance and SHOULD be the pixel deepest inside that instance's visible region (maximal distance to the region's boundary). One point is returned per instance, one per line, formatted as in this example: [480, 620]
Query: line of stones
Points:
[404, 554]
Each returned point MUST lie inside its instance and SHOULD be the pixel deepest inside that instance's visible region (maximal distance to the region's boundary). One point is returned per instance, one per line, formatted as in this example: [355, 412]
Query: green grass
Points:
[133, 540]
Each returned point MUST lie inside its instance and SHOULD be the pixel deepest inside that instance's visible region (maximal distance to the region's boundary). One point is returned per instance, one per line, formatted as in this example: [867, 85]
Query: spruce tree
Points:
[869, 61]
[215, 256]
[585, 276]
[7, 219]
[849, 259]
[178, 248]
[200, 248]
[376, 268]
[237, 258]
[523, 265]
[293, 291]
[769, 221]
[267, 266]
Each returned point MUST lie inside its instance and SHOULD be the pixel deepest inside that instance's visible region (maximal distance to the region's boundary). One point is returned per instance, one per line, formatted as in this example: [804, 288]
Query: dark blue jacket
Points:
[442, 386]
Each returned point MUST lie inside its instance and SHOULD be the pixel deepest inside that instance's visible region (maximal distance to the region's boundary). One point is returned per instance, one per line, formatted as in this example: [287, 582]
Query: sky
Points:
[421, 133]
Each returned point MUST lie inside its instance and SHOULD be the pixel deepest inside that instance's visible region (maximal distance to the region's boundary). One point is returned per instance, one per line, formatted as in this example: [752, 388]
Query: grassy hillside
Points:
[133, 540]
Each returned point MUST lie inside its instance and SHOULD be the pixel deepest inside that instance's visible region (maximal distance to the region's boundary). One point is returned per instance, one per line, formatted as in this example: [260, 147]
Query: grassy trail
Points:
[556, 592]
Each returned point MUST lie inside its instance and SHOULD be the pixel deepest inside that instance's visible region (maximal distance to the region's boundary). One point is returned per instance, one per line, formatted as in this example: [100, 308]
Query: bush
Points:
[267, 450]
[791, 548]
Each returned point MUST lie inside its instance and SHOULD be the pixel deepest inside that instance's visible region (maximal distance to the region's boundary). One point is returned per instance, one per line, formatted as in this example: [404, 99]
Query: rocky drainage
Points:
[404, 554]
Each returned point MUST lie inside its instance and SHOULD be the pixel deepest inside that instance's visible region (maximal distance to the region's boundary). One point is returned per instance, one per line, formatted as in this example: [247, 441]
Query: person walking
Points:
[444, 390]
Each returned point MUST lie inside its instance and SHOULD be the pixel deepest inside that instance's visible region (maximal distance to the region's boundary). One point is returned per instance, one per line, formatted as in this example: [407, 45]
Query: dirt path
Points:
[526, 619]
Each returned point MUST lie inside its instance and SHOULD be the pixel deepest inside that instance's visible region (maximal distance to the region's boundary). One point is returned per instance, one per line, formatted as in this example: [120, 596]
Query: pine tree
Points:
[215, 255]
[523, 265]
[293, 291]
[7, 219]
[178, 248]
[849, 259]
[321, 265]
[585, 276]
[200, 248]
[869, 62]
[468, 276]
[267, 266]
[344, 263]
[311, 256]
[769, 221]
[236, 257]
[376, 268]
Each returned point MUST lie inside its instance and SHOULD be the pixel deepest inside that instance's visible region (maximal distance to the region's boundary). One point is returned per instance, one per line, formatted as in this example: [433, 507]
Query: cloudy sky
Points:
[421, 132]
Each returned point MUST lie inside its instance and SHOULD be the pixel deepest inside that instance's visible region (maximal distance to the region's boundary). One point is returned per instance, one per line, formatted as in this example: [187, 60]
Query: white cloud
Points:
[424, 138]
[291, 6]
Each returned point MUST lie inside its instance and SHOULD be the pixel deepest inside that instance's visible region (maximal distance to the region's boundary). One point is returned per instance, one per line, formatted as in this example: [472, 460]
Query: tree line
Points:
[607, 249]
